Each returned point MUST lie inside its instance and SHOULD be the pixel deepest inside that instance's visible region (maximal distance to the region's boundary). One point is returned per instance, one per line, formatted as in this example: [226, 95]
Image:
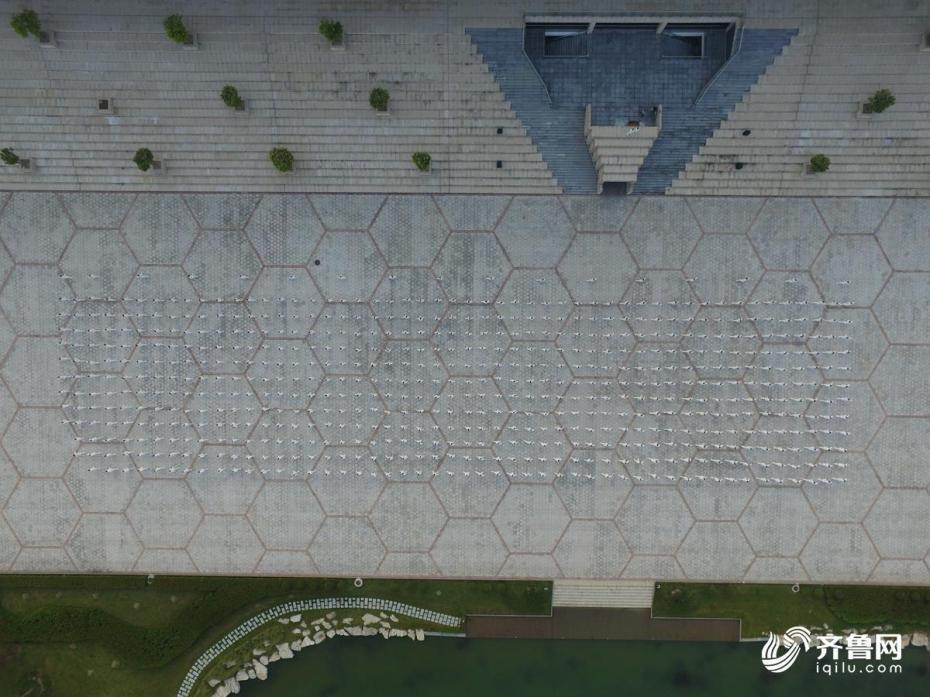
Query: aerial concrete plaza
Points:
[361, 370]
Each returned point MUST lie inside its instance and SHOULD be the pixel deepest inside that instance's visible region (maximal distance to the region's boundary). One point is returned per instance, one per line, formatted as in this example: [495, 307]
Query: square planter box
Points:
[156, 170]
[338, 45]
[105, 106]
[47, 39]
[925, 44]
[244, 107]
[24, 166]
[192, 44]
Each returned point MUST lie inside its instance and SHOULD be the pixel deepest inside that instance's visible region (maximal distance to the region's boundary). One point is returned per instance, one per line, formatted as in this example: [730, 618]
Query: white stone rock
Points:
[327, 625]
[397, 632]
[393, 618]
[384, 633]
[920, 639]
[221, 691]
[213, 682]
[284, 651]
[261, 672]
[330, 633]
[251, 673]
[295, 646]
[370, 619]
[264, 660]
[242, 675]
[232, 685]
[319, 636]
[305, 642]
[330, 615]
[295, 618]
[421, 635]
[275, 656]
[258, 652]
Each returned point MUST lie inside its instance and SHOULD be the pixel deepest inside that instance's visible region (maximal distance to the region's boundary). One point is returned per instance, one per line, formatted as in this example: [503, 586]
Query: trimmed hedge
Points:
[175, 29]
[143, 159]
[820, 163]
[422, 160]
[9, 157]
[25, 23]
[231, 98]
[879, 101]
[331, 30]
[379, 99]
[282, 159]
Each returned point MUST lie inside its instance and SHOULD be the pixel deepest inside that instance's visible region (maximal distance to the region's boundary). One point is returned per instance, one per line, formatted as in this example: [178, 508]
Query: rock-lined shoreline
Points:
[318, 631]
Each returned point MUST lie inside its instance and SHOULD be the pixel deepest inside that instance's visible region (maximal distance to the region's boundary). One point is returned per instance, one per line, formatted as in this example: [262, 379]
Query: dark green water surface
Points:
[538, 668]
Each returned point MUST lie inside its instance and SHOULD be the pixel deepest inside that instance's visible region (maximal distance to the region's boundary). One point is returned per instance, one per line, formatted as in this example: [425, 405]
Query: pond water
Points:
[515, 667]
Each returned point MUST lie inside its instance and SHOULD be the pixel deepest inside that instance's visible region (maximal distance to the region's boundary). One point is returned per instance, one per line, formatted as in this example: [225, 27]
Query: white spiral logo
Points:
[794, 638]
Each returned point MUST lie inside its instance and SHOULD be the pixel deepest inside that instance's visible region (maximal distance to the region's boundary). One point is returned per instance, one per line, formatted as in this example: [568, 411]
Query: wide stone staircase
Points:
[808, 103]
[300, 94]
[589, 593]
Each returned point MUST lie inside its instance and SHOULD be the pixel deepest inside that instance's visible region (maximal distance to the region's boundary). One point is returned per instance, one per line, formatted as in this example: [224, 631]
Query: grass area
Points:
[775, 607]
[118, 635]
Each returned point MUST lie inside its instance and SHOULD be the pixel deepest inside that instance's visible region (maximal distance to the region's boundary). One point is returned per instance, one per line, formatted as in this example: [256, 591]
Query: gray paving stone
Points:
[597, 268]
[649, 568]
[8, 407]
[723, 269]
[850, 501]
[161, 301]
[225, 544]
[719, 485]
[346, 410]
[409, 303]
[839, 551]
[350, 266]
[284, 229]
[723, 419]
[42, 512]
[596, 341]
[470, 483]
[286, 515]
[715, 551]
[6, 264]
[845, 415]
[408, 517]
[778, 522]
[223, 408]
[851, 270]
[161, 372]
[346, 338]
[36, 300]
[222, 265]
[346, 211]
[591, 549]
[471, 340]
[898, 452]
[532, 445]
[904, 236]
[285, 444]
[592, 484]
[408, 374]
[788, 233]
[352, 493]
[7, 336]
[534, 304]
[472, 212]
[159, 229]
[782, 448]
[162, 443]
[104, 542]
[531, 518]
[471, 267]
[408, 564]
[773, 569]
[902, 308]
[164, 561]
[229, 211]
[661, 233]
[469, 548]
[647, 532]
[535, 231]
[224, 480]
[721, 342]
[10, 547]
[223, 337]
[102, 489]
[659, 305]
[347, 546]
[409, 230]
[902, 381]
[98, 264]
[847, 344]
[532, 376]
[658, 378]
[9, 478]
[100, 407]
[727, 215]
[45, 456]
[38, 372]
[98, 209]
[43, 559]
[285, 373]
[656, 449]
[164, 513]
[599, 213]
[281, 563]
[408, 446]
[785, 306]
[900, 571]
[594, 413]
[853, 216]
[35, 228]
[530, 566]
[783, 379]
[884, 523]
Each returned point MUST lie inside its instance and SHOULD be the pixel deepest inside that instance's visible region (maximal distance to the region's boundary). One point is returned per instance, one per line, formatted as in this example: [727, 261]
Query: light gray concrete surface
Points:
[479, 386]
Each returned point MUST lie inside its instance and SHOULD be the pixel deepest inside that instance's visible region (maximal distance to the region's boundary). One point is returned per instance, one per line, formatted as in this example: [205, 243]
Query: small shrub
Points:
[282, 159]
[879, 101]
[9, 157]
[820, 163]
[143, 159]
[231, 98]
[331, 30]
[25, 23]
[379, 99]
[422, 160]
[175, 29]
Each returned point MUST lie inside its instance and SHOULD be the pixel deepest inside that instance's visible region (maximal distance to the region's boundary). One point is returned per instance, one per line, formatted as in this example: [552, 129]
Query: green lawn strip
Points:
[775, 607]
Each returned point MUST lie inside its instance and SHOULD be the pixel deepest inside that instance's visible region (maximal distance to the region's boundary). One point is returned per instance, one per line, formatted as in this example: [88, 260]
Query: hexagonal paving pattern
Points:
[721, 342]
[347, 546]
[592, 484]
[902, 381]
[223, 408]
[286, 515]
[99, 336]
[349, 267]
[408, 304]
[839, 550]
[38, 372]
[161, 301]
[225, 544]
[788, 233]
[597, 268]
[164, 513]
[285, 444]
[159, 229]
[723, 269]
[715, 551]
[284, 229]
[594, 413]
[36, 300]
[97, 210]
[591, 549]
[472, 212]
[898, 453]
[659, 305]
[532, 376]
[534, 304]
[347, 211]
[902, 308]
[346, 410]
[903, 235]
[661, 232]
[471, 267]
[531, 518]
[785, 306]
[47, 456]
[98, 264]
[471, 340]
[846, 258]
[778, 523]
[408, 446]
[347, 480]
[596, 341]
[883, 523]
[409, 230]
[35, 228]
[161, 372]
[470, 483]
[469, 547]
[223, 337]
[285, 373]
[408, 374]
[42, 512]
[104, 542]
[346, 338]
[222, 211]
[222, 265]
[535, 232]
[532, 445]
